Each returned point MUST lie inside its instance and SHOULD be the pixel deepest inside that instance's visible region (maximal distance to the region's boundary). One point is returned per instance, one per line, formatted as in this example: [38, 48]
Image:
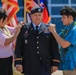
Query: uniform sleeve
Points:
[18, 49]
[55, 52]
[2, 39]
[71, 37]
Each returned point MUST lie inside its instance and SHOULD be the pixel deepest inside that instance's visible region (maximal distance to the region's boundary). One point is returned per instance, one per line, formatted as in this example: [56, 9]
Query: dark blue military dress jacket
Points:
[36, 48]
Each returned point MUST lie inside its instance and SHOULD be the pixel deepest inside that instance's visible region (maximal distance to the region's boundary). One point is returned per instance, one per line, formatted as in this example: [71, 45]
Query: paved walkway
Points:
[57, 73]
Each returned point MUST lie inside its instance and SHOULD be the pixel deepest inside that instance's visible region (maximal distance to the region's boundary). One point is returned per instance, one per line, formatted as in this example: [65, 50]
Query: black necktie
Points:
[36, 29]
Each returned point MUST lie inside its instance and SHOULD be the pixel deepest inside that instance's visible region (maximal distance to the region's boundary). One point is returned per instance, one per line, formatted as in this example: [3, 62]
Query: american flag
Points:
[11, 7]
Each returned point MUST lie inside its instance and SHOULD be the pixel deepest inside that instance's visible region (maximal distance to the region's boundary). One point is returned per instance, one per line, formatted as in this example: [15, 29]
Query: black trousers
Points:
[44, 70]
[6, 66]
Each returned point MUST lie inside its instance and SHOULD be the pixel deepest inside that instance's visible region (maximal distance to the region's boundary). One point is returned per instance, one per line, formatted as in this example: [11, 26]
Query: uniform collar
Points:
[38, 26]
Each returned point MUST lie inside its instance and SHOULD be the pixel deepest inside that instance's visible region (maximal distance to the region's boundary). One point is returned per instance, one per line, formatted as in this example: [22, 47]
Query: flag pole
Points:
[4, 1]
[38, 1]
[25, 11]
[6, 7]
[6, 4]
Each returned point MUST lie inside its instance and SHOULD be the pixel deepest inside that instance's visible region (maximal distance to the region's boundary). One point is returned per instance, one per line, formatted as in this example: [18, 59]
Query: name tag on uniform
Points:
[25, 41]
[26, 34]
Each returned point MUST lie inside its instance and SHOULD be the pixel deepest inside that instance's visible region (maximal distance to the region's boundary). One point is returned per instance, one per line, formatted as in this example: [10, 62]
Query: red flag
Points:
[11, 7]
[28, 5]
[46, 16]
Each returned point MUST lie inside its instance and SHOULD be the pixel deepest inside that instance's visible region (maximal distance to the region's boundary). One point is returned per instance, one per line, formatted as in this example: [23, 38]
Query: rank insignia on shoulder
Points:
[25, 41]
[46, 30]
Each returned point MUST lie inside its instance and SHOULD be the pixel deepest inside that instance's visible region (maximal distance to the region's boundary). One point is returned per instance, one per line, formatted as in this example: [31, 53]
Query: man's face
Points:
[37, 18]
[66, 19]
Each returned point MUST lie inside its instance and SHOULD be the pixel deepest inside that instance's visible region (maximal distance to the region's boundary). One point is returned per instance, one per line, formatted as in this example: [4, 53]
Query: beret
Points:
[36, 10]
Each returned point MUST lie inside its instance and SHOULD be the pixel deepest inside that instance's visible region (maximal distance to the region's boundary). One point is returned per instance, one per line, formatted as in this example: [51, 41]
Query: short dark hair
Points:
[3, 14]
[67, 10]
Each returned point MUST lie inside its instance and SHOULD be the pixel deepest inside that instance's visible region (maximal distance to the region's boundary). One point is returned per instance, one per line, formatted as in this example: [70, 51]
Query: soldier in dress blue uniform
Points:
[36, 50]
